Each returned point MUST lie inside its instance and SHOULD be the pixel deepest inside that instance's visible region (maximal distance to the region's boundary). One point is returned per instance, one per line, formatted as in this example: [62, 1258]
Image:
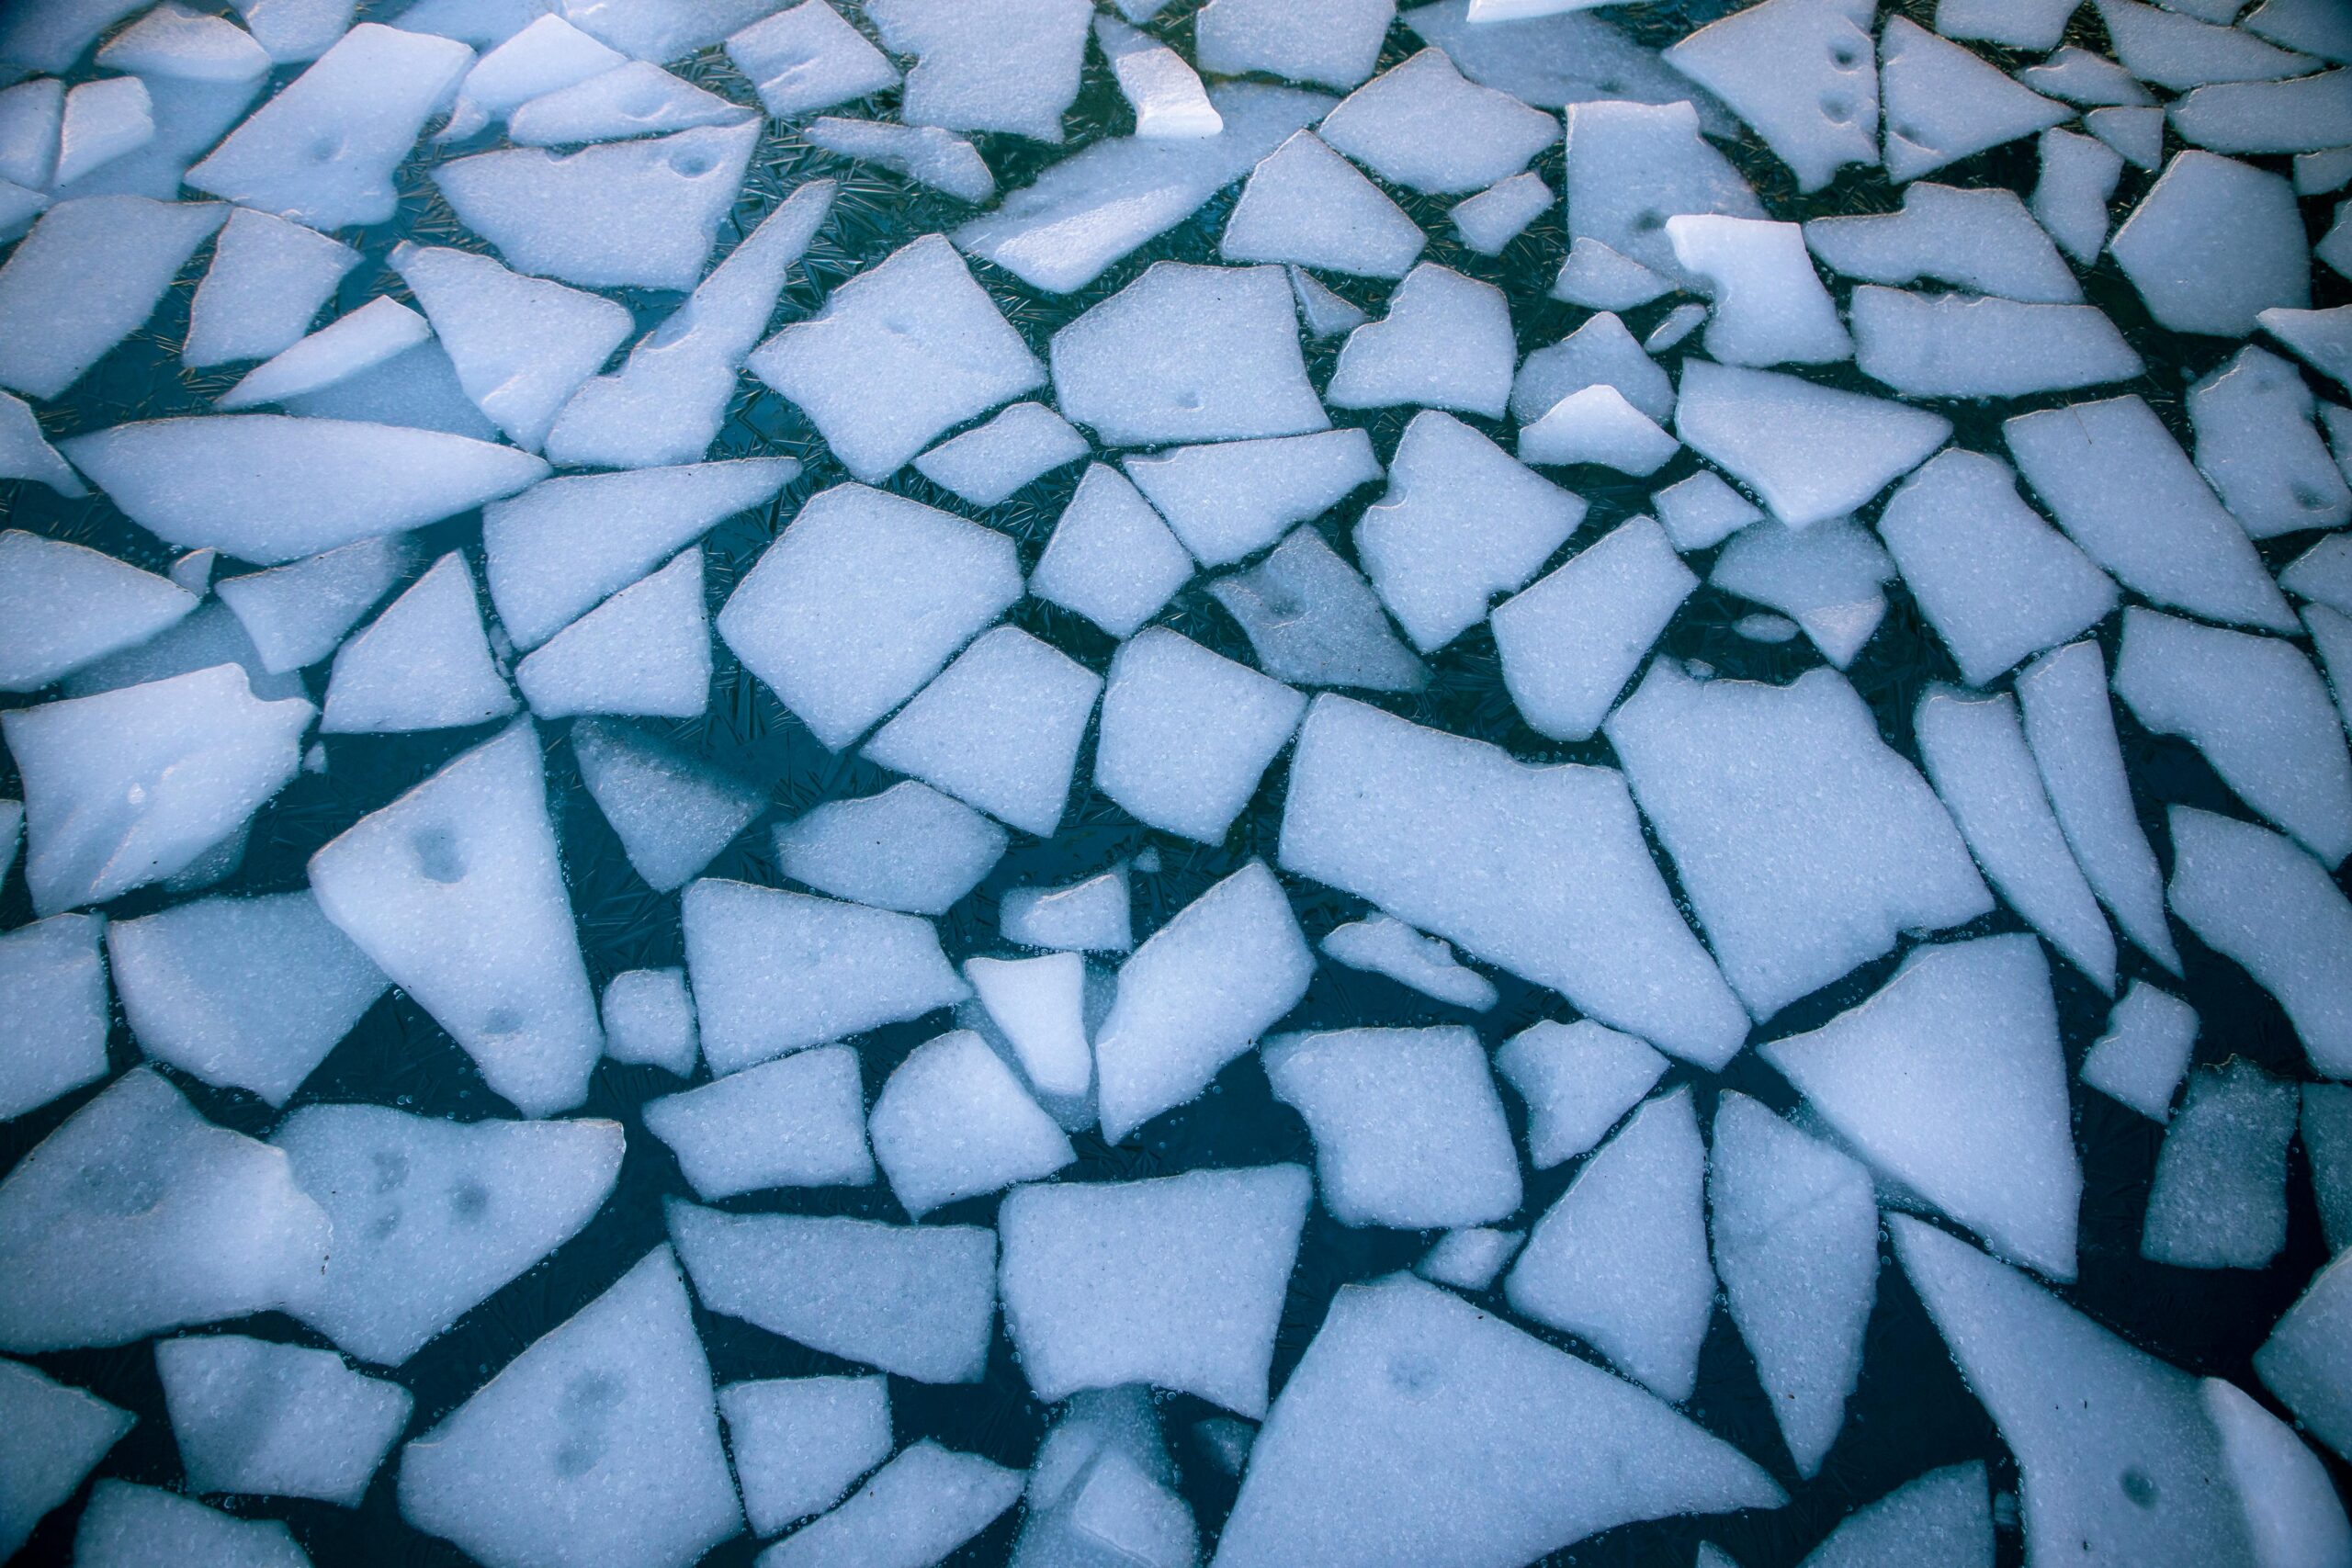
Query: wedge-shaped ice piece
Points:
[1599, 278]
[1944, 1519]
[806, 58]
[1632, 166]
[2257, 710]
[1305, 204]
[1827, 578]
[2074, 74]
[1198, 995]
[296, 615]
[208, 637]
[548, 56]
[598, 1445]
[1382, 945]
[1810, 452]
[2070, 198]
[556, 550]
[953, 1123]
[908, 848]
[1569, 643]
[87, 276]
[130, 787]
[268, 488]
[2214, 244]
[2118, 1455]
[2323, 574]
[455, 892]
[673, 813]
[2123, 491]
[2292, 1512]
[902, 353]
[1313, 622]
[345, 348]
[1014, 67]
[2321, 339]
[1943, 103]
[2257, 899]
[1232, 499]
[1980, 240]
[1701, 511]
[417, 389]
[1974, 751]
[1445, 342]
[1995, 581]
[522, 346]
[432, 1217]
[126, 1526]
[1499, 214]
[1469, 1259]
[245, 993]
[2175, 51]
[644, 650]
[1038, 1005]
[916, 1300]
[1409, 1130]
[1538, 871]
[1769, 307]
[53, 992]
[923, 153]
[1597, 425]
[917, 1509]
[1333, 43]
[1096, 206]
[25, 453]
[2297, 24]
[1422, 124]
[1092, 915]
[1950, 1081]
[664, 30]
[51, 1434]
[277, 1420]
[650, 1020]
[2302, 1362]
[800, 1121]
[987, 465]
[1110, 558]
[1953, 347]
[634, 99]
[1576, 1079]
[2258, 448]
[1176, 1282]
[63, 607]
[425, 663]
[1419, 1428]
[2136, 132]
[1165, 94]
[1188, 354]
[322, 151]
[103, 120]
[1187, 735]
[2307, 115]
[1795, 1232]
[999, 728]
[202, 74]
[630, 214]
[2140, 1060]
[799, 1444]
[776, 972]
[138, 1216]
[2220, 1196]
[1799, 72]
[666, 403]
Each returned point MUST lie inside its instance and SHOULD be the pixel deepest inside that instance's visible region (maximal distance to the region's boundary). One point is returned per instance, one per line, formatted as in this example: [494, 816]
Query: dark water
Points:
[1911, 1412]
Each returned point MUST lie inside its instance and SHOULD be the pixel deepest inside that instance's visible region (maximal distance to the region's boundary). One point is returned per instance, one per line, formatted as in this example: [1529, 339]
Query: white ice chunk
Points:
[2214, 244]
[1158, 85]
[2078, 176]
[908, 848]
[1198, 995]
[1313, 622]
[1232, 499]
[1322, 312]
[634, 99]
[2072, 73]
[1308, 205]
[917, 1510]
[2141, 1057]
[1445, 342]
[987, 465]
[345, 348]
[953, 1123]
[65, 605]
[1187, 735]
[1944, 1519]
[1597, 425]
[2292, 1513]
[1495, 217]
[2137, 132]
[1955, 346]
[1701, 511]
[1810, 452]
[1384, 945]
[2257, 446]
[52, 1435]
[1576, 1079]
[103, 120]
[999, 728]
[644, 650]
[800, 1121]
[54, 993]
[1569, 643]
[1944, 103]
[1012, 67]
[128, 1526]
[1799, 72]
[2175, 51]
[2306, 115]
[88, 275]
[1038, 1005]
[544, 57]
[1769, 307]
[1111, 558]
[1423, 125]
[25, 453]
[2321, 339]
[2255, 898]
[521, 345]
[806, 58]
[799, 1444]
[1599, 352]
[673, 813]
[482, 22]
[650, 1019]
[1469, 1259]
[1409, 1130]
[916, 1300]
[1332, 43]
[296, 30]
[2219, 1199]
[1985, 240]
[2323, 574]
[425, 663]
[277, 1420]
[1092, 915]
[664, 30]
[2302, 1362]
[1632, 166]
[923, 153]
[1599, 278]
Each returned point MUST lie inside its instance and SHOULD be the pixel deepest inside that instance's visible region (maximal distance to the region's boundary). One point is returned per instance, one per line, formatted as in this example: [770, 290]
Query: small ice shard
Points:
[345, 348]
[599, 1444]
[138, 1216]
[64, 606]
[842, 968]
[296, 30]
[1809, 452]
[2177, 51]
[900, 353]
[130, 787]
[626, 214]
[1322, 312]
[1943, 103]
[2072, 73]
[1769, 306]
[1166, 95]
[1829, 578]
[425, 663]
[1187, 735]
[1445, 342]
[1599, 278]
[1540, 870]
[1176, 1282]
[1229, 500]
[1599, 352]
[1039, 1006]
[1188, 354]
[953, 1123]
[1423, 125]
[1409, 1130]
[1312, 621]
[924, 153]
[1491, 220]
[1597, 425]
[1985, 240]
[322, 151]
[1569, 643]
[2292, 1512]
[1632, 166]
[2323, 574]
[2258, 899]
[1795, 1231]
[52, 1435]
[2302, 1362]
[673, 813]
[2118, 1458]
[1945, 1518]
[1092, 915]
[88, 275]
[1419, 1428]
[665, 404]
[1335, 44]
[650, 1020]
[2136, 132]
[908, 848]
[2214, 244]
[1384, 945]
[1111, 558]
[103, 120]
[1014, 68]
[521, 345]
[277, 1420]
[2321, 339]
[1953, 347]
[797, 1121]
[30, 114]
[986, 464]
[250, 993]
[1679, 323]
[53, 992]
[1576, 1079]
[805, 58]
[1996, 582]
[2220, 1196]
[455, 892]
[1469, 1259]
[193, 571]
[1308, 206]
[918, 1509]
[544, 57]
[1950, 1080]
[630, 100]
[999, 728]
[2125, 491]
[25, 453]
[644, 650]
[2258, 448]
[2070, 726]
[127, 1524]
[2078, 177]
[916, 1300]
[1198, 995]
[799, 1444]
[1801, 73]
[2307, 115]
[1701, 511]
[1974, 751]
[2140, 1059]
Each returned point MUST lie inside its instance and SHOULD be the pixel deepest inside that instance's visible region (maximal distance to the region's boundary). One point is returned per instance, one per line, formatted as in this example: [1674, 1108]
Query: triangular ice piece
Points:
[425, 663]
[522, 346]
[1944, 103]
[51, 1434]
[1308, 205]
[1944, 1519]
[1799, 72]
[673, 813]
[64, 605]
[1810, 452]
[644, 651]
